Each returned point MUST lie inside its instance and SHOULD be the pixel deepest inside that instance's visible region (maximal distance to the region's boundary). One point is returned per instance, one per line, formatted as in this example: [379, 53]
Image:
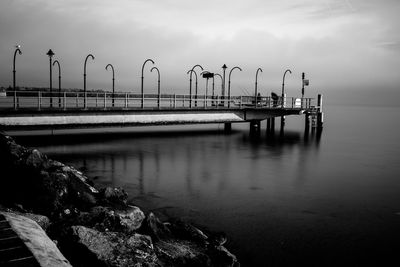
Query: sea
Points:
[291, 198]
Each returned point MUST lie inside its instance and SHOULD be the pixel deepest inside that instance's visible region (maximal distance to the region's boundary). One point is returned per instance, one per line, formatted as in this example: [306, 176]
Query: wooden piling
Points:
[227, 127]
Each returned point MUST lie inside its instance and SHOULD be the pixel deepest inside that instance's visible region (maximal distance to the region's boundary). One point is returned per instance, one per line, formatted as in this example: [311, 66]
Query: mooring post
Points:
[268, 125]
[320, 114]
[227, 127]
[255, 127]
[65, 101]
[307, 122]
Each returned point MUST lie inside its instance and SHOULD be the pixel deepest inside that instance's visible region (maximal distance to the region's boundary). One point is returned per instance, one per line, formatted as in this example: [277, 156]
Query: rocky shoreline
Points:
[95, 226]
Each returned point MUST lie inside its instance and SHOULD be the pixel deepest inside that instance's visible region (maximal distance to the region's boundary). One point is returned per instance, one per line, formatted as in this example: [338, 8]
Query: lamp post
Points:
[229, 85]
[219, 75]
[59, 82]
[255, 91]
[158, 85]
[17, 49]
[283, 84]
[84, 79]
[113, 82]
[142, 78]
[195, 66]
[224, 67]
[190, 72]
[50, 54]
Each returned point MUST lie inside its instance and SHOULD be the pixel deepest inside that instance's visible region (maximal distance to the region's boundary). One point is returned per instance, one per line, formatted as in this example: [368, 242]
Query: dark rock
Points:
[175, 252]
[107, 219]
[113, 195]
[222, 257]
[187, 231]
[156, 229]
[35, 159]
[111, 248]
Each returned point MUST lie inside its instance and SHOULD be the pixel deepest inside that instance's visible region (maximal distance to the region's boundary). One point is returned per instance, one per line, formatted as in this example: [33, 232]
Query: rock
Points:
[35, 159]
[113, 195]
[156, 229]
[187, 231]
[222, 257]
[181, 253]
[107, 219]
[111, 248]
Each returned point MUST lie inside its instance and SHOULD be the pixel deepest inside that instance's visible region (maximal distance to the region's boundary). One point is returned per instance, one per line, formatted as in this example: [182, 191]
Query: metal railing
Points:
[40, 100]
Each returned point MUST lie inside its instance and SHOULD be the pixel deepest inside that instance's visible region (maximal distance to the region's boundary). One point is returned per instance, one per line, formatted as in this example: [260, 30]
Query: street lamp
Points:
[283, 84]
[229, 85]
[142, 78]
[113, 81]
[84, 79]
[51, 54]
[59, 82]
[190, 72]
[255, 91]
[195, 66]
[158, 85]
[216, 74]
[15, 53]
[224, 67]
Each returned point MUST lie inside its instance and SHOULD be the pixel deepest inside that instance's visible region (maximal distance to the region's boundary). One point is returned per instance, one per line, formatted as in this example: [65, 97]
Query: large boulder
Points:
[108, 219]
[111, 248]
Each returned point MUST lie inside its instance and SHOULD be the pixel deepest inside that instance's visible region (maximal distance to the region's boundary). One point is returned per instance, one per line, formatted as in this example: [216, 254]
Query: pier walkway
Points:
[20, 110]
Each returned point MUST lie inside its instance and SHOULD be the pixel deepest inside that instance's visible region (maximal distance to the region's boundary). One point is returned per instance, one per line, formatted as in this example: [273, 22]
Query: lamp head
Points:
[50, 53]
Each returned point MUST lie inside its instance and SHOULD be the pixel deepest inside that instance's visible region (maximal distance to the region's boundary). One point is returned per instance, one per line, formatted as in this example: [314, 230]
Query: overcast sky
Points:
[345, 47]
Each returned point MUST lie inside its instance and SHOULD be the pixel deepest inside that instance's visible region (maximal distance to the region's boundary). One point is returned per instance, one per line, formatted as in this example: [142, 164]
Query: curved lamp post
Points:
[190, 72]
[222, 88]
[142, 78]
[255, 91]
[206, 93]
[50, 53]
[190, 86]
[283, 84]
[15, 54]
[59, 82]
[113, 82]
[229, 85]
[158, 85]
[84, 79]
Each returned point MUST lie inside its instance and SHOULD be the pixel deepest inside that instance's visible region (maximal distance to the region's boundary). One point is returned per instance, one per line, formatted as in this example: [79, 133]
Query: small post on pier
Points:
[255, 127]
[320, 114]
[65, 101]
[227, 127]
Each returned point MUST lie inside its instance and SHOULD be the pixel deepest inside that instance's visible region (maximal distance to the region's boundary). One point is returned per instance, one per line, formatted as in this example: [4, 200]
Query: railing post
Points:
[183, 101]
[205, 101]
[15, 100]
[126, 100]
[97, 98]
[174, 101]
[85, 100]
[39, 100]
[105, 101]
[77, 99]
[241, 99]
[65, 101]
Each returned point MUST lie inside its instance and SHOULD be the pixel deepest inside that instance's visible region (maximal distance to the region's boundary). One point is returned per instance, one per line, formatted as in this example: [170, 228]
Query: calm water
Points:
[328, 200]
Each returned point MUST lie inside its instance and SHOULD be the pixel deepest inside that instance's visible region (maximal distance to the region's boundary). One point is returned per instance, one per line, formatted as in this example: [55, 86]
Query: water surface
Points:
[329, 199]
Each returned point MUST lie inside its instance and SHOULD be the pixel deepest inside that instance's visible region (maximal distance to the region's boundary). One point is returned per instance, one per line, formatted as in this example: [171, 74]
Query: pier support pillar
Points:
[255, 127]
[227, 127]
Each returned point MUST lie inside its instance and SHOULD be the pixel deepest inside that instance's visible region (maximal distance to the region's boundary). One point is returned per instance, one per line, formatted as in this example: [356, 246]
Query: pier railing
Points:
[40, 100]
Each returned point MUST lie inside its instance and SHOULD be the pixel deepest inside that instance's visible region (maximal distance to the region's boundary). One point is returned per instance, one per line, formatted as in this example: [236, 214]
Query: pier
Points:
[27, 110]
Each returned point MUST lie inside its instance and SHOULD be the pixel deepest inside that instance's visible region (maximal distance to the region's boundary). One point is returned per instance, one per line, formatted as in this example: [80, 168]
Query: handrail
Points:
[40, 100]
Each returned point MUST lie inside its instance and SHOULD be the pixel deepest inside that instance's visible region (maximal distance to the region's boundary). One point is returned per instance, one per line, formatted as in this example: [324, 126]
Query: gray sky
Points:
[345, 47]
